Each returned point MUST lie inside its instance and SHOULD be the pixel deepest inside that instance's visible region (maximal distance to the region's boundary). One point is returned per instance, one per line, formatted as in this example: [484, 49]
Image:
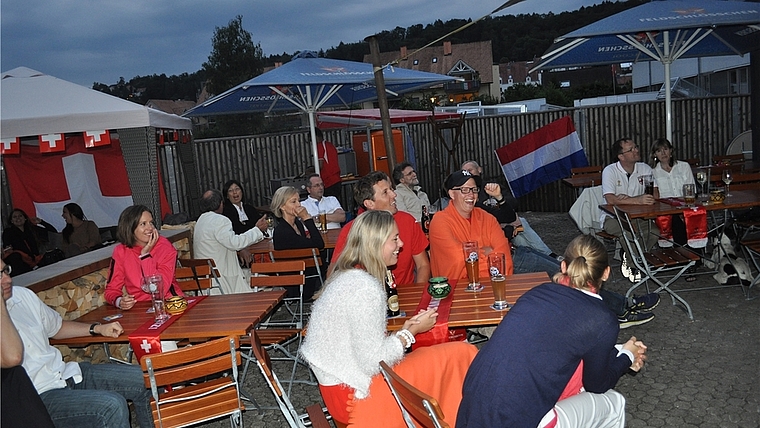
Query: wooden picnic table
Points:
[738, 199]
[265, 246]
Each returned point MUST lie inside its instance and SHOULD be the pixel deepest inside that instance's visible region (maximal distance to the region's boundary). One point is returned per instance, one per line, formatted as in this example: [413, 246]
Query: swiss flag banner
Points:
[10, 146]
[97, 138]
[52, 143]
[95, 178]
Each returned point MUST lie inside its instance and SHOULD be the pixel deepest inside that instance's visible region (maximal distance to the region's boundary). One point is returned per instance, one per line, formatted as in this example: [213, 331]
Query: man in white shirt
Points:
[75, 394]
[622, 185]
[409, 195]
[317, 202]
[214, 238]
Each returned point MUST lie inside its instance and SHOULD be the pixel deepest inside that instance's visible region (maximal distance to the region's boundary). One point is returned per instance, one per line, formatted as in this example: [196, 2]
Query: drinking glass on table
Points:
[689, 194]
[727, 178]
[322, 221]
[470, 249]
[702, 179]
[497, 264]
[648, 183]
[270, 226]
[154, 285]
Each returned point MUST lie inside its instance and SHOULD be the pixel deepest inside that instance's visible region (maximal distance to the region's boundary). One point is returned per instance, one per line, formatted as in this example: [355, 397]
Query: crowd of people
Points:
[551, 362]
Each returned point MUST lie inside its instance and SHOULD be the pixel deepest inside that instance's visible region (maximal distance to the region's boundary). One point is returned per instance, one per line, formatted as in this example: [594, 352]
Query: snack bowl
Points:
[175, 305]
[717, 196]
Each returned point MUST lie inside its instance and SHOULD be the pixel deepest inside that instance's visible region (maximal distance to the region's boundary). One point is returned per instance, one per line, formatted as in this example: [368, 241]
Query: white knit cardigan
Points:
[346, 337]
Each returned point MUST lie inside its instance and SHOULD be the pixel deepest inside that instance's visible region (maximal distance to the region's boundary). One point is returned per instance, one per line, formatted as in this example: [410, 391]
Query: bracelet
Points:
[92, 329]
[407, 336]
[144, 256]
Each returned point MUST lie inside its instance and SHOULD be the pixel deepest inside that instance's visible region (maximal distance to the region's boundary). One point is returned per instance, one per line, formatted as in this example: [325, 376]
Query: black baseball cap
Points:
[458, 178]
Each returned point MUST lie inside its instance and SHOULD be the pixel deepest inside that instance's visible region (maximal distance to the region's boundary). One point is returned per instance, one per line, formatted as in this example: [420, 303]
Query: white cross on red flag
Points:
[10, 146]
[52, 143]
[97, 138]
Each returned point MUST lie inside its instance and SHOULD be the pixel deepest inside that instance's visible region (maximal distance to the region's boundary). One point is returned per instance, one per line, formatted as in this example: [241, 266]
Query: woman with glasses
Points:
[142, 252]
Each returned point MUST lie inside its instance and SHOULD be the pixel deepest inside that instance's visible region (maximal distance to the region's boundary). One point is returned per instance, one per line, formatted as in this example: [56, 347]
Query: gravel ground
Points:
[702, 373]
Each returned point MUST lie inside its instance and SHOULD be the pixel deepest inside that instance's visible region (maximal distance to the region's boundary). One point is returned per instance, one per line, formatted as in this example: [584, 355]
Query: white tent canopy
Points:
[34, 103]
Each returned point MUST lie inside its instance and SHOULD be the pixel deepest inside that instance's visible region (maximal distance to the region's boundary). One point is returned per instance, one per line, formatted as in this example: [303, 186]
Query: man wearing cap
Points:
[460, 222]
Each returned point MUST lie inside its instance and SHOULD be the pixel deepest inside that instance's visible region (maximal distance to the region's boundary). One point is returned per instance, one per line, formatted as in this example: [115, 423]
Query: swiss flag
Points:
[95, 178]
[10, 146]
[52, 143]
[97, 138]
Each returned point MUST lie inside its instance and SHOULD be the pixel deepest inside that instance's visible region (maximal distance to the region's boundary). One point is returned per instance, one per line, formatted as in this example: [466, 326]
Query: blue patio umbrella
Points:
[663, 30]
[308, 84]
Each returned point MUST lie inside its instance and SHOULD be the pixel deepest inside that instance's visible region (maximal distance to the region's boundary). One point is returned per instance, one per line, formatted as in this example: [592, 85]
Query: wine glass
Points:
[727, 178]
[702, 179]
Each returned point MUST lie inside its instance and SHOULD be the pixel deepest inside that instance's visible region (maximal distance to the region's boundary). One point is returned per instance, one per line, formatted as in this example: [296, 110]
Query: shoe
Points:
[624, 268]
[631, 319]
[645, 303]
[635, 275]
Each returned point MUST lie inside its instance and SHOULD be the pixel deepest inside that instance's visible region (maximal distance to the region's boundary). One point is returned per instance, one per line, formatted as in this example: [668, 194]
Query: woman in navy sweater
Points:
[553, 362]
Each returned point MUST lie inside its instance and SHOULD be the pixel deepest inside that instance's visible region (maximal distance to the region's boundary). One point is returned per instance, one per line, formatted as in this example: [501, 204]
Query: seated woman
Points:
[557, 341]
[242, 215]
[142, 252]
[670, 175]
[347, 336]
[80, 235]
[297, 230]
[22, 240]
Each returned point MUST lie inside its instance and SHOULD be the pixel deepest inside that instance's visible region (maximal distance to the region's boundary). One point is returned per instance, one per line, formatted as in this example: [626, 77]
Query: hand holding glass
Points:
[470, 249]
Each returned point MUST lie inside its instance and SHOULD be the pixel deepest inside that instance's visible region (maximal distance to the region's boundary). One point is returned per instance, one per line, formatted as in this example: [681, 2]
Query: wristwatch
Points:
[92, 329]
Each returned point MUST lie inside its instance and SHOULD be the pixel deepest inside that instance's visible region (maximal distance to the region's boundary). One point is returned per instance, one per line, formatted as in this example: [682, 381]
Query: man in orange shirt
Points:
[460, 222]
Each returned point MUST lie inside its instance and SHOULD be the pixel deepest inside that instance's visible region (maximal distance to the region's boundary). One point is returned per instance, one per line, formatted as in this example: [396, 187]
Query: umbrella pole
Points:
[668, 108]
[312, 126]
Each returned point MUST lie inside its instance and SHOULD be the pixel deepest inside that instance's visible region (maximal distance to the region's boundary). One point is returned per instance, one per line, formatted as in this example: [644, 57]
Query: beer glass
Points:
[689, 194]
[497, 264]
[470, 249]
[154, 285]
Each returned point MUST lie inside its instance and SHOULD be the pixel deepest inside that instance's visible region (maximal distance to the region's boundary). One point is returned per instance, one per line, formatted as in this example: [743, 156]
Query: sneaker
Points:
[631, 319]
[645, 303]
[624, 268]
[635, 275]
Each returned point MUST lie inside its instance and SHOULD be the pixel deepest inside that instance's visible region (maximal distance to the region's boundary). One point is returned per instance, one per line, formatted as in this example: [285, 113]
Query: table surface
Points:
[265, 246]
[583, 180]
[468, 309]
[214, 316]
[738, 199]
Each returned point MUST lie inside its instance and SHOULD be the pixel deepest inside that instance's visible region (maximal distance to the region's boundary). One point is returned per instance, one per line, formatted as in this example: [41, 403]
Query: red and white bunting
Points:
[10, 146]
[97, 138]
[52, 143]
[160, 136]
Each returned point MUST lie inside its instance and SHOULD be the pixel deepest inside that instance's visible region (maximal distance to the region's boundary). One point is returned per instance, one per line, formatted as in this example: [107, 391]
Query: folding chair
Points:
[310, 256]
[414, 404]
[750, 242]
[197, 276]
[315, 413]
[193, 398]
[655, 264]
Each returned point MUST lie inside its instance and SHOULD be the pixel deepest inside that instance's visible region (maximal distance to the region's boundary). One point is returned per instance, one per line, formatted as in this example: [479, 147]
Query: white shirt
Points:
[36, 322]
[616, 181]
[671, 183]
[328, 204]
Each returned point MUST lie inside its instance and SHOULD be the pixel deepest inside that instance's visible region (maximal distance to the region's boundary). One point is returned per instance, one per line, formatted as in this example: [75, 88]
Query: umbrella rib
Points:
[551, 56]
[290, 99]
[638, 45]
[691, 42]
[329, 94]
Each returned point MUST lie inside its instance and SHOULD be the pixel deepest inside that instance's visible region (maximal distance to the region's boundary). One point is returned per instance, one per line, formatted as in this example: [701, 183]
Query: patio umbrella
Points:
[664, 31]
[308, 84]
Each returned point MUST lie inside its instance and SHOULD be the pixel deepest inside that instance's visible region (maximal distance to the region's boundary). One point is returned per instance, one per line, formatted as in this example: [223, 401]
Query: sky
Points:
[87, 41]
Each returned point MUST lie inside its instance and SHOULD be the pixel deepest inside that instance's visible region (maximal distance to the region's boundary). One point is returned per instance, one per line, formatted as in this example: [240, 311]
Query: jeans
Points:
[529, 238]
[526, 260]
[100, 400]
[616, 302]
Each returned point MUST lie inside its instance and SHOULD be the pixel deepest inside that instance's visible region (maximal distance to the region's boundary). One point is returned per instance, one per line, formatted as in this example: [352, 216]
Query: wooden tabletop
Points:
[583, 180]
[738, 199]
[214, 316]
[468, 309]
[265, 246]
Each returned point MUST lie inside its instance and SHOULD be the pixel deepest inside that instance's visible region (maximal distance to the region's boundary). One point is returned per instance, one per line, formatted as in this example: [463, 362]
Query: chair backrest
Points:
[265, 366]
[746, 181]
[595, 169]
[731, 159]
[203, 399]
[413, 402]
[692, 161]
[197, 275]
[310, 256]
[278, 274]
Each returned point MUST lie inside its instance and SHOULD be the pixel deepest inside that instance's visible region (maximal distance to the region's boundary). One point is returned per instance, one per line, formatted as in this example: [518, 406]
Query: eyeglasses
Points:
[635, 147]
[466, 190]
[410, 173]
[5, 271]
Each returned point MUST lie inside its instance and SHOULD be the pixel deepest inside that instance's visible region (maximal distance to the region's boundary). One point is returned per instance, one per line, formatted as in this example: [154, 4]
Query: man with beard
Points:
[409, 195]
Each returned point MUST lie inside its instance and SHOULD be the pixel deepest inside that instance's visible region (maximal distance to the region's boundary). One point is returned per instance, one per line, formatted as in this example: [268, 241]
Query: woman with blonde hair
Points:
[552, 362]
[347, 335]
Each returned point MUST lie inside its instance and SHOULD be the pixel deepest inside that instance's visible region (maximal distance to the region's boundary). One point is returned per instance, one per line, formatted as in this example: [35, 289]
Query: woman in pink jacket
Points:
[142, 252]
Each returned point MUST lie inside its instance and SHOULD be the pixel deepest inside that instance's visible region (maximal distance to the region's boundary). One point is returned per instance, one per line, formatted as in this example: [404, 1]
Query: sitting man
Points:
[374, 192]
[409, 196]
[316, 202]
[622, 185]
[75, 394]
[462, 221]
[214, 238]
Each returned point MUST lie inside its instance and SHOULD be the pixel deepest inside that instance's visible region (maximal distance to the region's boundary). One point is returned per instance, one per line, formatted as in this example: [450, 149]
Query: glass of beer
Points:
[648, 183]
[471, 263]
[497, 264]
[323, 221]
[689, 194]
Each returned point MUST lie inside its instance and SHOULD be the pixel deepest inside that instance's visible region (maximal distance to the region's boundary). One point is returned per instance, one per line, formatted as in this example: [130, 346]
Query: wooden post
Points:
[382, 102]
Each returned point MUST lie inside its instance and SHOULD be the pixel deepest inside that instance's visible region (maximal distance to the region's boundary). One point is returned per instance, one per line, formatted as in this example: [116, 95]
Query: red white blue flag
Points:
[541, 157]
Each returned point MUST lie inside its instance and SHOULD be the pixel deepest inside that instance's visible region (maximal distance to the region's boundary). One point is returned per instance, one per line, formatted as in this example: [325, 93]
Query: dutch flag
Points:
[541, 157]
